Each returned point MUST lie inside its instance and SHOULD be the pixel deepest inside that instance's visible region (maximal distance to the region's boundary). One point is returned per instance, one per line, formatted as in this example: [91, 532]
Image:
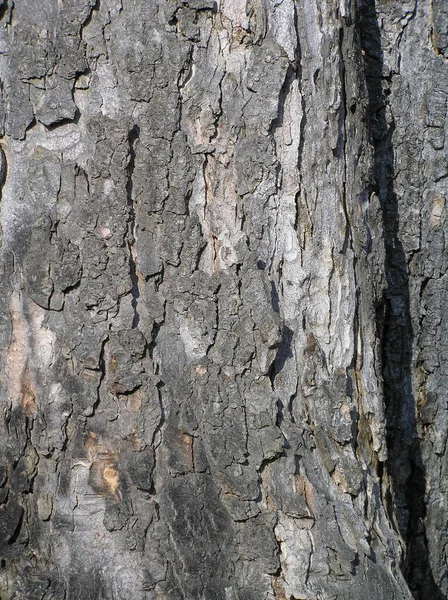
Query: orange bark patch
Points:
[184, 450]
[265, 485]
[112, 367]
[112, 479]
[135, 400]
[104, 477]
[21, 389]
[91, 444]
[29, 402]
[17, 354]
[134, 441]
[437, 210]
[304, 488]
[279, 590]
[91, 375]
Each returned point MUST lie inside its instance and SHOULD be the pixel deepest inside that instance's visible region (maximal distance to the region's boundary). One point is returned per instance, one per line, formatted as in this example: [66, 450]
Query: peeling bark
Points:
[222, 317]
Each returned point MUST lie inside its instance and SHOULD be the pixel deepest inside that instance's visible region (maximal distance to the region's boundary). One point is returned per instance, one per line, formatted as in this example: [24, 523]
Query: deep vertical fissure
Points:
[133, 136]
[404, 467]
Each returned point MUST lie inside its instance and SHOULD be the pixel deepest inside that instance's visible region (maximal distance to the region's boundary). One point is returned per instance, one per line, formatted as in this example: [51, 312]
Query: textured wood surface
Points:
[223, 324]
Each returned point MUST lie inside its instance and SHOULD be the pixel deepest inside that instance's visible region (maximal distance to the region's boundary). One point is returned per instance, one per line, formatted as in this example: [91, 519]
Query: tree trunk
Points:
[222, 310]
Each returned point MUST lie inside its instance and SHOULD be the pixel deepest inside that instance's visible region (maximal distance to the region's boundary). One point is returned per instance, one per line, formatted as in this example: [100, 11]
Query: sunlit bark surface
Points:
[223, 321]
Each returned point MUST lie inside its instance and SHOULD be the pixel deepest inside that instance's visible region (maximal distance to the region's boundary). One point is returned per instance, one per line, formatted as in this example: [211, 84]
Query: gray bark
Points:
[223, 325]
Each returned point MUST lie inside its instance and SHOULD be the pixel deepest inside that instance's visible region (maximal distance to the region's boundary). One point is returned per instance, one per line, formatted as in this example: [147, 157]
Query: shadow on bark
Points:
[405, 469]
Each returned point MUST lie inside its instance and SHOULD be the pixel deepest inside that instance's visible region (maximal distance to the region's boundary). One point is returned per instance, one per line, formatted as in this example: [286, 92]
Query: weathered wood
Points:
[223, 325]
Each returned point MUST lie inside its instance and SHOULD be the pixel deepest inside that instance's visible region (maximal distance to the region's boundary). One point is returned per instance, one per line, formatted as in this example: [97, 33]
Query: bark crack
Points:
[133, 137]
[404, 467]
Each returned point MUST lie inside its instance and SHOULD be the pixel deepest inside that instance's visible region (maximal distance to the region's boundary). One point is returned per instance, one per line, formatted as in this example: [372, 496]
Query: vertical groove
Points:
[404, 467]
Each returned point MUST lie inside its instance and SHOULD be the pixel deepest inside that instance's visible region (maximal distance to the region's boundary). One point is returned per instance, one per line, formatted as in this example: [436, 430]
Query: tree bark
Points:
[224, 361]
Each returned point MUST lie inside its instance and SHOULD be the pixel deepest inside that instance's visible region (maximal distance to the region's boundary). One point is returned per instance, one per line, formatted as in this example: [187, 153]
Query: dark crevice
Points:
[3, 8]
[15, 536]
[155, 332]
[132, 138]
[280, 413]
[299, 76]
[30, 126]
[303, 121]
[284, 352]
[135, 292]
[3, 167]
[102, 370]
[274, 298]
[6, 8]
[95, 8]
[404, 469]
[65, 121]
[293, 72]
[290, 77]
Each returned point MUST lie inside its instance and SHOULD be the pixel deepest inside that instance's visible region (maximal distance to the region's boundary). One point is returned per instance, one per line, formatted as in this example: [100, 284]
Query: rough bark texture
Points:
[223, 299]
